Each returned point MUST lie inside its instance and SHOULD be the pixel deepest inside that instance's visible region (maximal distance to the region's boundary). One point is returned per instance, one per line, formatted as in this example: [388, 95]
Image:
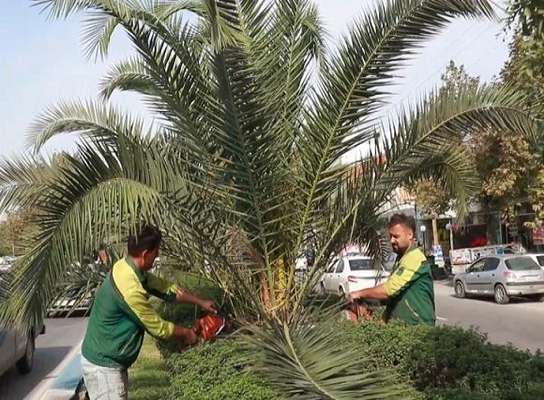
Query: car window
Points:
[522, 264]
[361, 264]
[491, 264]
[340, 266]
[331, 267]
[478, 266]
[540, 260]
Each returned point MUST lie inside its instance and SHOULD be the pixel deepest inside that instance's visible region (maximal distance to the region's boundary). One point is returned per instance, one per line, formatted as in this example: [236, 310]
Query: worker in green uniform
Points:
[408, 291]
[122, 313]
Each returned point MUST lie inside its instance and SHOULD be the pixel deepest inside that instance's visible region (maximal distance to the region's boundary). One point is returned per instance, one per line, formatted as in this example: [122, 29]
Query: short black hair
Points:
[402, 219]
[148, 238]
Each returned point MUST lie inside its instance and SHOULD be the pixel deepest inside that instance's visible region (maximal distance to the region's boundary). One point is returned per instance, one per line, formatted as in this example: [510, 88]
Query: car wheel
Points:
[24, 365]
[341, 292]
[501, 297]
[460, 289]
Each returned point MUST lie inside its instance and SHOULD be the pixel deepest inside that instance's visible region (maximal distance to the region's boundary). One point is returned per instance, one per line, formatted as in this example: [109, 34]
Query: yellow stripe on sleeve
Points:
[137, 299]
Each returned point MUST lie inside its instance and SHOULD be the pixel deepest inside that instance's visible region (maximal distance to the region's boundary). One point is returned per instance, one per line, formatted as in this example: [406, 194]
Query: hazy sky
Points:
[42, 62]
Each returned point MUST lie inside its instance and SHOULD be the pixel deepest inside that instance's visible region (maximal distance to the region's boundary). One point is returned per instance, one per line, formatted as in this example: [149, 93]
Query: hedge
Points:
[450, 362]
[441, 363]
[216, 371]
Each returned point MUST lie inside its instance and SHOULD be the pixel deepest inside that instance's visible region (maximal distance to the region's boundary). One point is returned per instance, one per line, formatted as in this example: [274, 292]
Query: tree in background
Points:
[431, 198]
[4, 245]
[507, 163]
[526, 19]
[16, 232]
[525, 70]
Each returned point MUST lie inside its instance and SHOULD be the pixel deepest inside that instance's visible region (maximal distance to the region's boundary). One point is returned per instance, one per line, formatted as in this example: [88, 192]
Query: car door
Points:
[328, 277]
[7, 349]
[472, 278]
[488, 276]
[337, 276]
[7, 345]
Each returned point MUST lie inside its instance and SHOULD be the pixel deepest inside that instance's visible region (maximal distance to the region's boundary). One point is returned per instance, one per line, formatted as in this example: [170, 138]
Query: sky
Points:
[43, 63]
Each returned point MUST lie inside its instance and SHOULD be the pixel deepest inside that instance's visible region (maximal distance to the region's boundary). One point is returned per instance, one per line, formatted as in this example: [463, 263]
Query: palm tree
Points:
[243, 168]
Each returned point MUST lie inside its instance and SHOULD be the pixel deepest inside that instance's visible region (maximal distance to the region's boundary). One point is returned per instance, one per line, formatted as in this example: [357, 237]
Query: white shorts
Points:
[104, 383]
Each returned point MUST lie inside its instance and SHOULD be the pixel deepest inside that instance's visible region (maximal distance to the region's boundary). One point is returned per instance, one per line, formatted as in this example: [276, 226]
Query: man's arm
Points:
[183, 296]
[160, 288]
[374, 293]
[396, 283]
[172, 292]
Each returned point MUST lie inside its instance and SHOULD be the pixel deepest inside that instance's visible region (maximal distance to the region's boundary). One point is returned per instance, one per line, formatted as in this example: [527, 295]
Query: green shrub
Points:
[216, 371]
[457, 394]
[185, 314]
[447, 362]
[442, 363]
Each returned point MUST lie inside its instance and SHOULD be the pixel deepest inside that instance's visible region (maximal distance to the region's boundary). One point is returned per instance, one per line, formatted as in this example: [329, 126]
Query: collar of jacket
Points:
[409, 250]
[139, 273]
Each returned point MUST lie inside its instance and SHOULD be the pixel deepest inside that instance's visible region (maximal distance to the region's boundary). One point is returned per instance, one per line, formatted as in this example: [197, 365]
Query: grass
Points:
[148, 377]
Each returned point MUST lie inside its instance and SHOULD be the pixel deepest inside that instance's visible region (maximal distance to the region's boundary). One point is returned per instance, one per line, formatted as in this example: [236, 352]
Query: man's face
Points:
[103, 256]
[149, 258]
[401, 238]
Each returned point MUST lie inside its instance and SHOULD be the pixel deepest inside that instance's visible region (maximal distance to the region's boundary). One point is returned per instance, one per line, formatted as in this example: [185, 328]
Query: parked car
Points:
[351, 273]
[17, 347]
[538, 257]
[502, 276]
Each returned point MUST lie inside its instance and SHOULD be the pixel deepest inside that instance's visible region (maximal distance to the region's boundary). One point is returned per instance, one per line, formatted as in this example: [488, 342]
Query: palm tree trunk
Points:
[435, 231]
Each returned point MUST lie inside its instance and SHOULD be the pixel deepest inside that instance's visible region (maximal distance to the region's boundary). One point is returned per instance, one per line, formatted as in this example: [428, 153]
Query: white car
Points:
[538, 257]
[351, 273]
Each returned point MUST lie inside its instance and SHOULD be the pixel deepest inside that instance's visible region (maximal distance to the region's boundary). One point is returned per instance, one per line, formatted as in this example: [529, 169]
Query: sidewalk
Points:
[62, 382]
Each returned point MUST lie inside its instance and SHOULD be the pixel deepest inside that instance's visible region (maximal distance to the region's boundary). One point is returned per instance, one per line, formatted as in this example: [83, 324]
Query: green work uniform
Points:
[122, 313]
[410, 290]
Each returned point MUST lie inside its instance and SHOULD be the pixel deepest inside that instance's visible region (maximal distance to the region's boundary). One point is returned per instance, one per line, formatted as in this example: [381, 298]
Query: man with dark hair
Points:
[122, 313]
[409, 291]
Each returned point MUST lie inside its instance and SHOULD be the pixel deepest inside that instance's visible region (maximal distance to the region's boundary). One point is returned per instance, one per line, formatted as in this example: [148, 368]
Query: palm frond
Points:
[98, 30]
[308, 361]
[341, 116]
[89, 119]
[94, 196]
[130, 75]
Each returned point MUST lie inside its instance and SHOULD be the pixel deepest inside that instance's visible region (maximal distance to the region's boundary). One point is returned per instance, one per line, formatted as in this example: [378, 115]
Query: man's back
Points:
[114, 333]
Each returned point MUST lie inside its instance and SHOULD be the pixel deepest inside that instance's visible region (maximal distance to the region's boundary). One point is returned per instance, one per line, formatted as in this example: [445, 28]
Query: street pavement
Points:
[521, 322]
[62, 335]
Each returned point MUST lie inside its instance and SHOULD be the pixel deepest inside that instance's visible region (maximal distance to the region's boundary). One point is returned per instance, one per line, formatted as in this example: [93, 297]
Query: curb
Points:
[62, 382]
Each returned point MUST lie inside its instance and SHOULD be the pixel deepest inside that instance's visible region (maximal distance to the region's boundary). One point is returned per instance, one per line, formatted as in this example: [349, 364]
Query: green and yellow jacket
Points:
[122, 313]
[410, 290]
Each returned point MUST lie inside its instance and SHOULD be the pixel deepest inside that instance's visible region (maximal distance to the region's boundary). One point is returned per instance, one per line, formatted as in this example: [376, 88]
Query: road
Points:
[61, 337]
[521, 322]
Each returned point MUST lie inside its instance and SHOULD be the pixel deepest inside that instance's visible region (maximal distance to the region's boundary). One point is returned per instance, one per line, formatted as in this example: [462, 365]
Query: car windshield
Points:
[360, 264]
[540, 260]
[522, 264]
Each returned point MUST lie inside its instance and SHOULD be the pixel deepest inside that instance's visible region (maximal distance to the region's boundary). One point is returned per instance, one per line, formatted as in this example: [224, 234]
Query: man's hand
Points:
[208, 305]
[354, 296]
[183, 296]
[375, 293]
[187, 335]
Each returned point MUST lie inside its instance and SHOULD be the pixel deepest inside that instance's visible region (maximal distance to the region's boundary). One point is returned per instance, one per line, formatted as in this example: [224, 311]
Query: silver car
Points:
[17, 347]
[502, 276]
